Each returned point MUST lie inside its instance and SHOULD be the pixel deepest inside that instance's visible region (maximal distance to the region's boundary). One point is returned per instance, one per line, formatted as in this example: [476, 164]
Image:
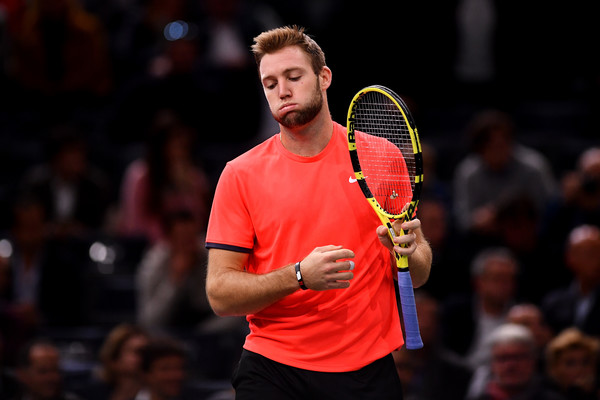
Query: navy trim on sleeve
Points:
[221, 246]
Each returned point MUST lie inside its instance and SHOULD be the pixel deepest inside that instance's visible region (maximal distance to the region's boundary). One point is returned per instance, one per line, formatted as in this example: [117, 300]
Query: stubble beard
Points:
[303, 116]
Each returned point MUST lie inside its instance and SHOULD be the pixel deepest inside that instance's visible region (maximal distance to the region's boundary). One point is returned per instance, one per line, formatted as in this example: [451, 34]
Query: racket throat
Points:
[391, 231]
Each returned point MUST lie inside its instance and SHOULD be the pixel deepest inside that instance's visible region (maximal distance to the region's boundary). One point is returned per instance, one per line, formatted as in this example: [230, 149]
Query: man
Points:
[497, 169]
[164, 370]
[578, 304]
[170, 277]
[530, 315]
[295, 247]
[38, 373]
[469, 319]
[513, 367]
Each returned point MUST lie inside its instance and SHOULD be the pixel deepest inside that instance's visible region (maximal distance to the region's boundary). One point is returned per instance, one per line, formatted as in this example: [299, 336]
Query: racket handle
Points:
[409, 310]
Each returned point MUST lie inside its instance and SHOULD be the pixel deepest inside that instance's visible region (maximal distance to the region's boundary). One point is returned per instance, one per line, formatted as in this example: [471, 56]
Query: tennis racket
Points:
[386, 156]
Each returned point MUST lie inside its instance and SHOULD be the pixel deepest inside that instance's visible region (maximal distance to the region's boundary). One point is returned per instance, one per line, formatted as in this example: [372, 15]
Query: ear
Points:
[325, 78]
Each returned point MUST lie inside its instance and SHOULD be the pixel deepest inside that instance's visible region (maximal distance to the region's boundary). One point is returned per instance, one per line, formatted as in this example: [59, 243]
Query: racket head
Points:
[385, 151]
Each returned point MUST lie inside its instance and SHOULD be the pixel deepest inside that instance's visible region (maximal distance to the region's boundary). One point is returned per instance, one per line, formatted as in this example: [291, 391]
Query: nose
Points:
[284, 90]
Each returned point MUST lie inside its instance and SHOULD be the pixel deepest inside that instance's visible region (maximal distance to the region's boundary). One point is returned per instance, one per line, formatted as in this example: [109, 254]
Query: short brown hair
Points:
[480, 128]
[159, 348]
[276, 39]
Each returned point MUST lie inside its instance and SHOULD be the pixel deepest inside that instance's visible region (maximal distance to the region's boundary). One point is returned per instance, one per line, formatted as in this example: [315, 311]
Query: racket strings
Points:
[389, 173]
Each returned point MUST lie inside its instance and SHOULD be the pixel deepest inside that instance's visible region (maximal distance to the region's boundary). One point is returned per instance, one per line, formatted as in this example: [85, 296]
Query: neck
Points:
[310, 139]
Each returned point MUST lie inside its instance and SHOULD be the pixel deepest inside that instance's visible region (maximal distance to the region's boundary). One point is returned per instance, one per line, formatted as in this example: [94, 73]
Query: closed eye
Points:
[292, 75]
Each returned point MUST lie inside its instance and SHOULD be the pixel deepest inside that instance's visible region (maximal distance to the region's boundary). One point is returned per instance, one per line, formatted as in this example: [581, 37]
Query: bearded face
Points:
[303, 115]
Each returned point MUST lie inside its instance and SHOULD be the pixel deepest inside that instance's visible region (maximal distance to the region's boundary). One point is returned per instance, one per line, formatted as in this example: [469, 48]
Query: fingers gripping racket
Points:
[386, 157]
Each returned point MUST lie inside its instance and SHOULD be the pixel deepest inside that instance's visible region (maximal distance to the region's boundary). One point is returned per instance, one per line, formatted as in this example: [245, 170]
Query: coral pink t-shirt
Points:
[278, 206]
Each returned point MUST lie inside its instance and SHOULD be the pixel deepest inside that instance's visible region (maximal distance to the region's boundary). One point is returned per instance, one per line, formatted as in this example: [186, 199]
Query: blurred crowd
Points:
[117, 117]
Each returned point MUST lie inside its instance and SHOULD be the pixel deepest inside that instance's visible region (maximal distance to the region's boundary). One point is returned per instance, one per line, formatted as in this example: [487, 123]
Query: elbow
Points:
[218, 303]
[220, 309]
[420, 279]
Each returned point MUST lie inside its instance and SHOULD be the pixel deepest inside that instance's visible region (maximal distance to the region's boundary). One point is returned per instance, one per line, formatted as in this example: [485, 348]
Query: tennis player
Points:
[294, 246]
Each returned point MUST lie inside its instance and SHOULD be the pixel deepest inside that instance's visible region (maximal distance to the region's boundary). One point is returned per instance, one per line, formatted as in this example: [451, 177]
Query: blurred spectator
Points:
[168, 178]
[497, 168]
[43, 281]
[578, 203]
[512, 366]
[432, 372]
[530, 315]
[171, 278]
[74, 193]
[165, 371]
[468, 319]
[450, 273]
[39, 374]
[581, 188]
[518, 224]
[119, 373]
[518, 228]
[572, 365]
[61, 56]
[578, 304]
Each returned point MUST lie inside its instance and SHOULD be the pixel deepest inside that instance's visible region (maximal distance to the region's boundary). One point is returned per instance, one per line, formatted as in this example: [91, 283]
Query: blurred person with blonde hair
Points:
[571, 365]
[119, 375]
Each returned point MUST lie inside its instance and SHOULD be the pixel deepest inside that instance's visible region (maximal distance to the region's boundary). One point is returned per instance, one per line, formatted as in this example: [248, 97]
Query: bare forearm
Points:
[234, 292]
[420, 261]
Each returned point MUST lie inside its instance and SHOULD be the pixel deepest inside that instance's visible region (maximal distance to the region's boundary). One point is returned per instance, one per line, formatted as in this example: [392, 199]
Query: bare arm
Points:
[417, 249]
[233, 291]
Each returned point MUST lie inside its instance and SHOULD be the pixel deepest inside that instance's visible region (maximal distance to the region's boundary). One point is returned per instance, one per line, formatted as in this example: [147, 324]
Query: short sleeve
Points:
[230, 224]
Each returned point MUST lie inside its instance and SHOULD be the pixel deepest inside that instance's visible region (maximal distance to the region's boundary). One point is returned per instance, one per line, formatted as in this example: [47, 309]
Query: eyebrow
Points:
[286, 72]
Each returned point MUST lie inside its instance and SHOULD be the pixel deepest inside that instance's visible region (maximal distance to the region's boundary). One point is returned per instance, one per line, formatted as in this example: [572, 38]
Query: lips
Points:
[287, 108]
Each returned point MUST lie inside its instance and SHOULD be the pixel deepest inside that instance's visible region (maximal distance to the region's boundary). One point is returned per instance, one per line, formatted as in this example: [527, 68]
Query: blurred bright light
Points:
[102, 254]
[6, 248]
[176, 30]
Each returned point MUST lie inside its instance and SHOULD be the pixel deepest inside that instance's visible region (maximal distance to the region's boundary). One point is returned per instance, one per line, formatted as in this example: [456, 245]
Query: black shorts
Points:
[258, 377]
